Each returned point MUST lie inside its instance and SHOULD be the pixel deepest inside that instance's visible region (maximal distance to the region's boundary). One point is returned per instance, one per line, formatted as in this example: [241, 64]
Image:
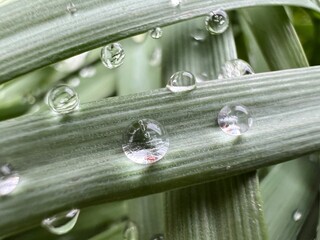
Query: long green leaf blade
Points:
[38, 33]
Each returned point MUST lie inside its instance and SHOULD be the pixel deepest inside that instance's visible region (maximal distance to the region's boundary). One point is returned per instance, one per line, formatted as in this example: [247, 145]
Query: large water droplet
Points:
[297, 216]
[61, 223]
[235, 68]
[63, 99]
[156, 33]
[157, 237]
[112, 55]
[234, 119]
[145, 141]
[71, 8]
[131, 231]
[9, 179]
[181, 82]
[217, 22]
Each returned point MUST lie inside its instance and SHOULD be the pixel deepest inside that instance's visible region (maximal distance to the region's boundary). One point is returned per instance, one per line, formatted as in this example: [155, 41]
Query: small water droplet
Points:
[176, 3]
[71, 8]
[234, 119]
[131, 231]
[297, 216]
[156, 33]
[199, 35]
[228, 167]
[61, 223]
[217, 22]
[181, 82]
[145, 141]
[156, 57]
[235, 68]
[9, 179]
[87, 72]
[157, 237]
[63, 99]
[112, 55]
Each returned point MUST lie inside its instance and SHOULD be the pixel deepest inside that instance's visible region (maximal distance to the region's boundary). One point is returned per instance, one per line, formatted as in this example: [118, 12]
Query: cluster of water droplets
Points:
[9, 180]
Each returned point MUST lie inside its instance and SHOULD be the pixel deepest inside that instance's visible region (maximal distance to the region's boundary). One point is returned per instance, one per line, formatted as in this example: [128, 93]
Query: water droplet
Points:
[157, 237]
[71, 8]
[156, 57]
[181, 82]
[228, 167]
[217, 22]
[112, 55]
[9, 179]
[131, 231]
[61, 223]
[176, 3]
[297, 216]
[145, 141]
[235, 68]
[234, 119]
[63, 99]
[156, 33]
[87, 72]
[199, 35]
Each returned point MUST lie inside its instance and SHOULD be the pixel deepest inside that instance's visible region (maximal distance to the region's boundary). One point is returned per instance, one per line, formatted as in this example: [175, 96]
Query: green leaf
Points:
[227, 209]
[40, 33]
[277, 28]
[288, 188]
[83, 150]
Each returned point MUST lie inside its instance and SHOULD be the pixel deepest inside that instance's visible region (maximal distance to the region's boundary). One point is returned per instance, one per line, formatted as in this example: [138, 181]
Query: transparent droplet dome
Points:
[217, 22]
[63, 99]
[156, 33]
[112, 55]
[145, 141]
[61, 223]
[235, 68]
[235, 119]
[181, 81]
